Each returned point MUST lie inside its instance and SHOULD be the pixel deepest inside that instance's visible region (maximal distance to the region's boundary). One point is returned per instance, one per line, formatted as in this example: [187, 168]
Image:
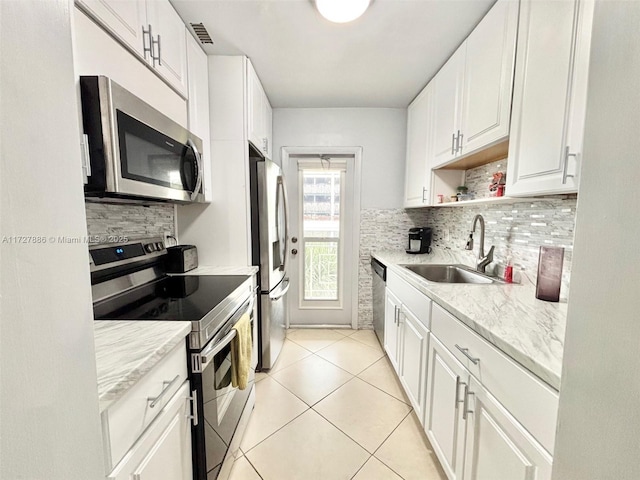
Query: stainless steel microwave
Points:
[135, 151]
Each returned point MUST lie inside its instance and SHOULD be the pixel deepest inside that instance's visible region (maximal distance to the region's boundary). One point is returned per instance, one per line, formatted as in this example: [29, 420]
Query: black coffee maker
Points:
[419, 240]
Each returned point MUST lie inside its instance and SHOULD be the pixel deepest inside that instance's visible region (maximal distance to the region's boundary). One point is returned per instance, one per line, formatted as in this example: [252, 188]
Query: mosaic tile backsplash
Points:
[381, 229]
[517, 230]
[106, 220]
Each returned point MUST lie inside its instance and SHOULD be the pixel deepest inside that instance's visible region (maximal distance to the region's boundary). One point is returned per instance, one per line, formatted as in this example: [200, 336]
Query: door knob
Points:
[294, 251]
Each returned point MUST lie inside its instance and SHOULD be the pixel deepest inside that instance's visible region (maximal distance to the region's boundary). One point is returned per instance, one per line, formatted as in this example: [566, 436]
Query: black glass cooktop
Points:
[187, 297]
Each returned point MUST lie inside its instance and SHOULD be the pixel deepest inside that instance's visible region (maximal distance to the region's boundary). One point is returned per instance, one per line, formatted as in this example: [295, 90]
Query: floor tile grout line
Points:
[254, 467]
[358, 443]
[384, 391]
[361, 467]
[304, 401]
[343, 432]
[276, 431]
[385, 441]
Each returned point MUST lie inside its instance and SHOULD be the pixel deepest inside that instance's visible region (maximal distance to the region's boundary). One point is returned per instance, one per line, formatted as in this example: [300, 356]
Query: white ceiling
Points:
[382, 59]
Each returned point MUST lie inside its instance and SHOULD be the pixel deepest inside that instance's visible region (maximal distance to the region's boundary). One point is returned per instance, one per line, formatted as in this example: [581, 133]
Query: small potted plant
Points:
[462, 193]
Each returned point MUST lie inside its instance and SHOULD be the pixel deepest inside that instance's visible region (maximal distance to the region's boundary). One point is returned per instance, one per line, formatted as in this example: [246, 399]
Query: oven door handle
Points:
[208, 354]
[211, 351]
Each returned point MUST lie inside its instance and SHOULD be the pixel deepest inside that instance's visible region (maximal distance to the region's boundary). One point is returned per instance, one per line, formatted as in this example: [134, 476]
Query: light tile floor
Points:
[333, 409]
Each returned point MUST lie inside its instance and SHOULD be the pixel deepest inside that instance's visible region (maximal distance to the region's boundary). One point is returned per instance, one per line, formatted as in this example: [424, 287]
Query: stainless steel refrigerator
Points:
[269, 233]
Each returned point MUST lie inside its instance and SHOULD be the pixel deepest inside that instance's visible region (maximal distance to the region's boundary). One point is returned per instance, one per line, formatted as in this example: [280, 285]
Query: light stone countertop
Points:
[509, 316]
[215, 270]
[127, 350]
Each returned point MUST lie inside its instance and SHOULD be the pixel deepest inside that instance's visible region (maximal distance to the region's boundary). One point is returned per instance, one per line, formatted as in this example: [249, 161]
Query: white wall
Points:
[380, 131]
[599, 420]
[48, 395]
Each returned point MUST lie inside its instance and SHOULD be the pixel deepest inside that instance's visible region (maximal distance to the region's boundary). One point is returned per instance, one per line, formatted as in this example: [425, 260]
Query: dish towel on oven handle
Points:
[241, 352]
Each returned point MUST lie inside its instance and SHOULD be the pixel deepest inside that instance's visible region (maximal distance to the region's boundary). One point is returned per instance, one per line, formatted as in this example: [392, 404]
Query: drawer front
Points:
[532, 402]
[127, 419]
[411, 298]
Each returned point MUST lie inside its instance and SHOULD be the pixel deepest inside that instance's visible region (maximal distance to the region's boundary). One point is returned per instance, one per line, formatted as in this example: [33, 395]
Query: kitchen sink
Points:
[451, 274]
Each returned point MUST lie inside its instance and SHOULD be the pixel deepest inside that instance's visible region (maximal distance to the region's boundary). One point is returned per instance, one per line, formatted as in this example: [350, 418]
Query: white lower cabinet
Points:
[414, 339]
[392, 328]
[163, 452]
[497, 446]
[444, 425]
[486, 417]
[406, 337]
[147, 432]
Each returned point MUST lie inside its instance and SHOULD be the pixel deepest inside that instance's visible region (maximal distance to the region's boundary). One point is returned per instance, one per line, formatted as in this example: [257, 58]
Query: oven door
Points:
[221, 404]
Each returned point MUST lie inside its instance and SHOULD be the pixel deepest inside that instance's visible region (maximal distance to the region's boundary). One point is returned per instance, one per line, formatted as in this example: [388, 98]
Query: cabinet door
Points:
[418, 174]
[198, 105]
[391, 329]
[255, 108]
[447, 98]
[163, 452]
[169, 31]
[268, 130]
[413, 367]
[123, 18]
[497, 446]
[548, 92]
[444, 422]
[488, 78]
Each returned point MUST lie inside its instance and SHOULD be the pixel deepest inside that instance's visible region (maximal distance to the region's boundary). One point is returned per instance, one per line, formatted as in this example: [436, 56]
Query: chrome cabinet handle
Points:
[565, 167]
[465, 405]
[146, 49]
[424, 190]
[154, 400]
[458, 384]
[465, 352]
[157, 42]
[453, 142]
[194, 407]
[459, 141]
[395, 314]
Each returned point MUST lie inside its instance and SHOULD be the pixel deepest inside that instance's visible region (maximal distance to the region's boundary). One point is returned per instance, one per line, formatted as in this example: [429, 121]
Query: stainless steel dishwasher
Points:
[379, 284]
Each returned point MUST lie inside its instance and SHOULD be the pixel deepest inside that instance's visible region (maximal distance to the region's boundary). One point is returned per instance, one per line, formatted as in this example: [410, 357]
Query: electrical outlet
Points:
[447, 235]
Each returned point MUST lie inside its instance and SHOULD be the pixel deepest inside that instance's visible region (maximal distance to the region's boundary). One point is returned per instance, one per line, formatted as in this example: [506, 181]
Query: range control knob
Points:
[149, 247]
[159, 246]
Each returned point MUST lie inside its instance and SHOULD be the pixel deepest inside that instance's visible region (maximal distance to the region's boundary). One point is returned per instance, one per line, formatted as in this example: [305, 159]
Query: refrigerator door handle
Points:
[283, 290]
[283, 191]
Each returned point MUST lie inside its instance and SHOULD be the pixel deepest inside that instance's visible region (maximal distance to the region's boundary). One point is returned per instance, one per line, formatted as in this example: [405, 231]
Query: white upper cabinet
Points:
[260, 114]
[417, 174]
[447, 103]
[124, 18]
[486, 105]
[549, 98]
[151, 29]
[198, 105]
[169, 43]
[472, 92]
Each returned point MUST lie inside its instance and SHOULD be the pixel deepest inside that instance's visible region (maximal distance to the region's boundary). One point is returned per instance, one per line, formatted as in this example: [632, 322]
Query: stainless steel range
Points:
[129, 282]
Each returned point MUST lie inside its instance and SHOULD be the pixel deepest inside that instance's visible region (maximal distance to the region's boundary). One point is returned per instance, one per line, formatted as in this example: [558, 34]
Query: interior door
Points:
[321, 248]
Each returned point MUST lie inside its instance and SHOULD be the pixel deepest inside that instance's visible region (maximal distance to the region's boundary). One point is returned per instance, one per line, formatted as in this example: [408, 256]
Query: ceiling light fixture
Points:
[342, 11]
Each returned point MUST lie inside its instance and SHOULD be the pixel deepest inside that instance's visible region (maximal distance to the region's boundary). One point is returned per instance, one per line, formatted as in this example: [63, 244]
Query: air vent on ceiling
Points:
[201, 33]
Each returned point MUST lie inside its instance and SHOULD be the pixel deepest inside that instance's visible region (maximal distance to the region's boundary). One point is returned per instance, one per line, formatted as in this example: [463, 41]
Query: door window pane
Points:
[321, 229]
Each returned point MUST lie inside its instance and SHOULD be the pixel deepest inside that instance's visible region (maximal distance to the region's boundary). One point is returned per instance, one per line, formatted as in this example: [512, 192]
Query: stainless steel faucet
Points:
[483, 260]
